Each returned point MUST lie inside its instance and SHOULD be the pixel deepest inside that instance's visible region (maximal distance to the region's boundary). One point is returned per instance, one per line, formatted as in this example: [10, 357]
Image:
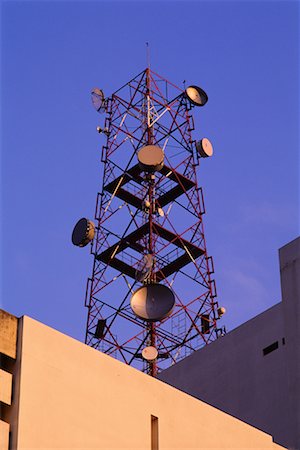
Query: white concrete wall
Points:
[72, 397]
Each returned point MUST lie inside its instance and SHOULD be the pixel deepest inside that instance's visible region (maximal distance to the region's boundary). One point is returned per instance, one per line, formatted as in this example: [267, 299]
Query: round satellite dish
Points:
[152, 302]
[221, 311]
[144, 267]
[98, 100]
[151, 158]
[204, 148]
[83, 233]
[196, 95]
[150, 353]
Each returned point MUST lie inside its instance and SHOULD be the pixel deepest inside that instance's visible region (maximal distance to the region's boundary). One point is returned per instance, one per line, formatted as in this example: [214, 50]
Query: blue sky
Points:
[245, 55]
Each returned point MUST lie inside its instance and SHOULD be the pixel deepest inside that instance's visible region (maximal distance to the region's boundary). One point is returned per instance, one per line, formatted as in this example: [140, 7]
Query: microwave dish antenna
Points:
[151, 158]
[153, 302]
[221, 311]
[196, 95]
[98, 100]
[150, 353]
[204, 148]
[83, 232]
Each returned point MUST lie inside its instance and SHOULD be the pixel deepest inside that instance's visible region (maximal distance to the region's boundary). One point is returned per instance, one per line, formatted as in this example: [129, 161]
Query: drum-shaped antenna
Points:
[204, 148]
[150, 353]
[98, 100]
[152, 302]
[83, 232]
[151, 158]
[196, 95]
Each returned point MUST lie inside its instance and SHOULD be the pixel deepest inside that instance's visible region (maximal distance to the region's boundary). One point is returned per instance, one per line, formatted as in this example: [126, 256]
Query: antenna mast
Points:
[148, 54]
[152, 366]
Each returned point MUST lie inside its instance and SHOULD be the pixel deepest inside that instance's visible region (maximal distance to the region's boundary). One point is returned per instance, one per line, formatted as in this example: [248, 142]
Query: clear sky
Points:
[245, 55]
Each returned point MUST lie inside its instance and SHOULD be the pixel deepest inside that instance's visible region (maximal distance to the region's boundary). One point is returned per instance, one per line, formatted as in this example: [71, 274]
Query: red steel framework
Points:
[150, 110]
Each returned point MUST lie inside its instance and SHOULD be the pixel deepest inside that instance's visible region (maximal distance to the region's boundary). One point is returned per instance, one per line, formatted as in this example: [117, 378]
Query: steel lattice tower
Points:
[160, 214]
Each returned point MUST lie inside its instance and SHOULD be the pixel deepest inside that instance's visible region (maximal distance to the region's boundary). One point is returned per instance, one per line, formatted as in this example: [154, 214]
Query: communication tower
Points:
[151, 298]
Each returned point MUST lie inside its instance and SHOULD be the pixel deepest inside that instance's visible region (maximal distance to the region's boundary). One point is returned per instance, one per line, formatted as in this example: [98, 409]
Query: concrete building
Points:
[253, 372]
[57, 393]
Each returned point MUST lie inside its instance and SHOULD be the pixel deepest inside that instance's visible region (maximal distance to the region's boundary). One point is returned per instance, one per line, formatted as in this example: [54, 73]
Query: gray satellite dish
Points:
[152, 302]
[98, 100]
[151, 158]
[150, 353]
[144, 267]
[196, 95]
[83, 232]
[204, 148]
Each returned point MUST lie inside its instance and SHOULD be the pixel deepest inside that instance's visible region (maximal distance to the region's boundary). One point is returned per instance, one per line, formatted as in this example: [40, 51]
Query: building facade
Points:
[57, 393]
[253, 372]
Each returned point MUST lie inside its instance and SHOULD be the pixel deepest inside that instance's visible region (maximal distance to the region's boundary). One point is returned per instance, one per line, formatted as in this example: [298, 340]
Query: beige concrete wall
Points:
[4, 435]
[8, 353]
[5, 387]
[74, 397]
[8, 334]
